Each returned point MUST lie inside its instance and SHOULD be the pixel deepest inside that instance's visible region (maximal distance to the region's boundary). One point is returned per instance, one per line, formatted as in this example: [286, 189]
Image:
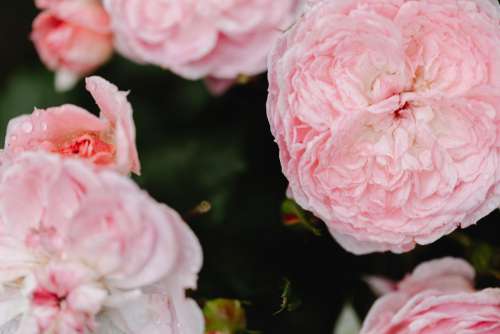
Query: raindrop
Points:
[13, 138]
[44, 126]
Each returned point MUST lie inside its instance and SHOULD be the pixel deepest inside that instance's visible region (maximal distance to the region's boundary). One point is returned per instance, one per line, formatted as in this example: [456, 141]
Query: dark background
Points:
[196, 147]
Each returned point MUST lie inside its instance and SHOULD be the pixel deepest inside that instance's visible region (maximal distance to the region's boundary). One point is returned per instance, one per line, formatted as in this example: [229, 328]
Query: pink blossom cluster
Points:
[438, 297]
[387, 117]
[82, 248]
[218, 40]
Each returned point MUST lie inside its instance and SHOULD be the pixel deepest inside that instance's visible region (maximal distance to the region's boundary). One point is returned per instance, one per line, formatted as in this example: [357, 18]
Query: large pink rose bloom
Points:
[438, 297]
[386, 114]
[195, 39]
[90, 252]
[72, 38]
[107, 141]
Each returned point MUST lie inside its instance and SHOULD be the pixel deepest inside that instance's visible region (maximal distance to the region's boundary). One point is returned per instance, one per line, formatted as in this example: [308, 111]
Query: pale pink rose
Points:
[195, 39]
[438, 297]
[108, 140]
[387, 117]
[72, 38]
[90, 252]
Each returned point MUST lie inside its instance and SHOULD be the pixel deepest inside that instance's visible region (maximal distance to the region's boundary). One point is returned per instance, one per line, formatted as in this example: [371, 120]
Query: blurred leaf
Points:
[484, 257]
[189, 169]
[348, 321]
[24, 91]
[481, 254]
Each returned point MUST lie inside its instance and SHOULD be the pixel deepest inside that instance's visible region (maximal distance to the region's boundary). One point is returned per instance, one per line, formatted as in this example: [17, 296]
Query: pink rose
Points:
[72, 38]
[386, 114]
[45, 4]
[195, 39]
[438, 297]
[90, 251]
[71, 131]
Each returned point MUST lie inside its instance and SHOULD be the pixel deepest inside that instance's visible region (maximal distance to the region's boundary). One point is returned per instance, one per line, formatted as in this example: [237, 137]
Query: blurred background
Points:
[195, 147]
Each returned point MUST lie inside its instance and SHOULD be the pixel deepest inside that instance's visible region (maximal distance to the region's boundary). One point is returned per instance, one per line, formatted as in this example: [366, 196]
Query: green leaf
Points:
[293, 215]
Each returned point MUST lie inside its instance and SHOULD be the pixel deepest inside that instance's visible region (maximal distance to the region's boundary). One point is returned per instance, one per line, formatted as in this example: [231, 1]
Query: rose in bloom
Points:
[73, 38]
[90, 252]
[108, 140]
[386, 114]
[438, 297]
[195, 39]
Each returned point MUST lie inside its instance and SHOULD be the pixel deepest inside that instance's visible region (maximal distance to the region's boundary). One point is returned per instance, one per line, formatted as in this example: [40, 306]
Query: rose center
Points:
[398, 113]
[88, 146]
[42, 297]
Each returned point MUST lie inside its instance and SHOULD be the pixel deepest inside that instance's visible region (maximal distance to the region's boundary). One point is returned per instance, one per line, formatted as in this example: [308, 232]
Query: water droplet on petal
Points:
[27, 127]
[13, 138]
[44, 126]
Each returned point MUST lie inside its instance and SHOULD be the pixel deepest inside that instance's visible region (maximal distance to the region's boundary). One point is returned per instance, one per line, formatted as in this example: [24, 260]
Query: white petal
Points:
[348, 322]
[65, 80]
